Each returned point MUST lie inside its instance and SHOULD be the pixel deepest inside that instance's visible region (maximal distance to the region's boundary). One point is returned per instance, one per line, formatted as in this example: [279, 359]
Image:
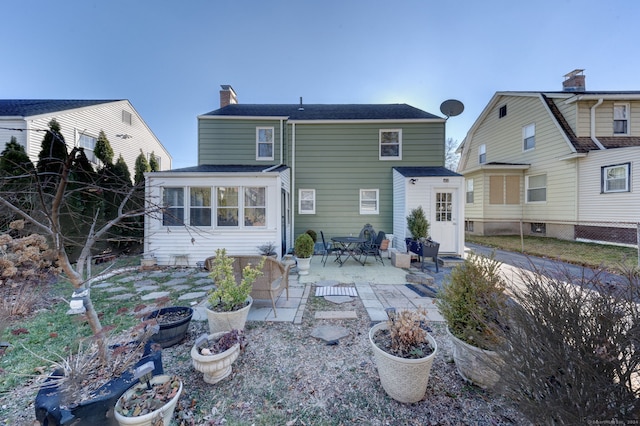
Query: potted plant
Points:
[229, 302]
[404, 352]
[173, 323]
[471, 301]
[149, 403]
[213, 355]
[303, 250]
[268, 249]
[418, 224]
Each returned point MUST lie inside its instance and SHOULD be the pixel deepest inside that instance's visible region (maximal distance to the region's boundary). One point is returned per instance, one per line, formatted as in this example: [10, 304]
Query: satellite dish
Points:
[451, 107]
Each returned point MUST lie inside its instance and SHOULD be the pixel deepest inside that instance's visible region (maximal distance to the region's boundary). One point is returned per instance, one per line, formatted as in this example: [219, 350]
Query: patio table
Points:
[348, 247]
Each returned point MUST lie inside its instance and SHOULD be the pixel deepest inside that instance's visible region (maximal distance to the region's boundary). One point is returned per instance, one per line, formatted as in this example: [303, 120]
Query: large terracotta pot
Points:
[475, 365]
[404, 380]
[165, 412]
[215, 367]
[227, 321]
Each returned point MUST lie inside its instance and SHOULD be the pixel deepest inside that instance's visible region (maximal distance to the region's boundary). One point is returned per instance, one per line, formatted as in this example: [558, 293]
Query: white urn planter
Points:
[217, 366]
[304, 264]
[227, 321]
[478, 366]
[403, 379]
[165, 412]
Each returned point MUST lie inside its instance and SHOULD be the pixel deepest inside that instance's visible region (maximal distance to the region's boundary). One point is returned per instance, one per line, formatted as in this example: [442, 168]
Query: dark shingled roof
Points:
[228, 168]
[325, 112]
[30, 107]
[425, 171]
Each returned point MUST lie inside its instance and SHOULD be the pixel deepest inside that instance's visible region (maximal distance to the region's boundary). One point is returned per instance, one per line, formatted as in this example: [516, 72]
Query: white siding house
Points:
[81, 122]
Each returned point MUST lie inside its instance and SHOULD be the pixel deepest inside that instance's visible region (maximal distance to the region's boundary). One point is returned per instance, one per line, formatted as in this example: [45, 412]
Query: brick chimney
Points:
[574, 82]
[227, 96]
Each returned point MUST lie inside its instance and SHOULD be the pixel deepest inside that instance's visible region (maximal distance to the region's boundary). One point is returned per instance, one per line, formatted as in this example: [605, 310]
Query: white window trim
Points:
[386, 157]
[526, 189]
[628, 118]
[627, 167]
[469, 185]
[377, 209]
[313, 193]
[524, 137]
[482, 150]
[188, 207]
[92, 158]
[273, 135]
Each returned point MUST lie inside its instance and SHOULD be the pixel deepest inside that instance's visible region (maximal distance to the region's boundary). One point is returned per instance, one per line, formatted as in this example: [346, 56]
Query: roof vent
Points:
[574, 81]
[300, 108]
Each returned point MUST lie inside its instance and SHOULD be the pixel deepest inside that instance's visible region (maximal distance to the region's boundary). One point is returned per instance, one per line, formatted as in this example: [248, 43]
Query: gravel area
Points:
[287, 377]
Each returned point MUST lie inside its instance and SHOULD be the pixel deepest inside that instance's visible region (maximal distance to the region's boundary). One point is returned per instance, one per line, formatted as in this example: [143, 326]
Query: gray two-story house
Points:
[269, 172]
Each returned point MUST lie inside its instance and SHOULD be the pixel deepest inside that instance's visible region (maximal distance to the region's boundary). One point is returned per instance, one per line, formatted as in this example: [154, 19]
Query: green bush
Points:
[230, 295]
[313, 235]
[303, 247]
[472, 299]
[418, 224]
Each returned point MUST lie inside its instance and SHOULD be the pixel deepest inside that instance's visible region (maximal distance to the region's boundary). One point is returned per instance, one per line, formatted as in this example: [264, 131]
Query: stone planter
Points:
[227, 321]
[215, 367]
[304, 264]
[404, 380]
[172, 332]
[475, 365]
[150, 419]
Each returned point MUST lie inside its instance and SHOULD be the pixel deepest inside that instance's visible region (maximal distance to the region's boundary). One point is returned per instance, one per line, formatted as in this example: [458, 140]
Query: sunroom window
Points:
[173, 201]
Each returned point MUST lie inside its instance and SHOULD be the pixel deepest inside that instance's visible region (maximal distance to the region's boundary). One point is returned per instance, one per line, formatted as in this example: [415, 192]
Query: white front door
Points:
[444, 223]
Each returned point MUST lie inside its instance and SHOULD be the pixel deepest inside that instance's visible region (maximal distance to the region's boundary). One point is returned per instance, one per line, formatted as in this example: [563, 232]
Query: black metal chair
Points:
[327, 249]
[373, 249]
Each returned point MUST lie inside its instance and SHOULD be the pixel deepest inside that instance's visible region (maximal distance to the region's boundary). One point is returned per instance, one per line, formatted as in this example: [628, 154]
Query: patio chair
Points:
[373, 249]
[327, 249]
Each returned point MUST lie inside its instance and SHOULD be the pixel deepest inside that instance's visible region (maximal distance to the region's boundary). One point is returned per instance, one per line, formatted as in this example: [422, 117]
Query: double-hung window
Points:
[482, 154]
[536, 188]
[255, 206]
[89, 144]
[307, 201]
[200, 206]
[264, 143]
[369, 201]
[469, 191]
[621, 119]
[173, 201]
[529, 137]
[390, 144]
[616, 178]
[227, 206]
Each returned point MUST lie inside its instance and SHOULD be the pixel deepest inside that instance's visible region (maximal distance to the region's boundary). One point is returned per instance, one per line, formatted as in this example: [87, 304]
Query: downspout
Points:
[593, 124]
[293, 180]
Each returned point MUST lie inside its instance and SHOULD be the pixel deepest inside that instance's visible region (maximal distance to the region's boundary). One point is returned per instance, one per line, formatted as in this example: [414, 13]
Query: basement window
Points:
[538, 228]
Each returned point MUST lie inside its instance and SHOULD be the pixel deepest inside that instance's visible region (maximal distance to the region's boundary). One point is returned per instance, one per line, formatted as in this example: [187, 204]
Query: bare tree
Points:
[451, 158]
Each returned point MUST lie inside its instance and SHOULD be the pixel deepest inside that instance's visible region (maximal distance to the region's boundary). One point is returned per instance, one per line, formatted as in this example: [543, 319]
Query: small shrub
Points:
[312, 234]
[228, 294]
[303, 246]
[268, 249]
[418, 224]
[571, 352]
[472, 299]
[406, 336]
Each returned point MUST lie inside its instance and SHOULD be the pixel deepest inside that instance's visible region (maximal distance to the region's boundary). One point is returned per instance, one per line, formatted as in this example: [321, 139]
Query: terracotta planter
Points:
[227, 321]
[404, 380]
[304, 264]
[165, 412]
[173, 332]
[475, 365]
[215, 367]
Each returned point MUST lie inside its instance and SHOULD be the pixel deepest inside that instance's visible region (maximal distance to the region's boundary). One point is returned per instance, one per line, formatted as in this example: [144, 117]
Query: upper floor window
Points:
[227, 206]
[369, 201]
[89, 144]
[536, 188]
[307, 201]
[502, 112]
[616, 178]
[255, 206]
[200, 206]
[482, 154]
[621, 119]
[529, 137]
[390, 144]
[127, 117]
[469, 191]
[264, 143]
[173, 201]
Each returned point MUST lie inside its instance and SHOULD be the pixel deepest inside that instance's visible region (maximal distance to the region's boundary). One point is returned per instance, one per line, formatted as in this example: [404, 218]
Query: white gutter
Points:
[593, 124]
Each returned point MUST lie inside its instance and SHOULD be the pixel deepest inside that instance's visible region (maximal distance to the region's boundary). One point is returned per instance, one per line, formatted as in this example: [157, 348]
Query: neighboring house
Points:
[563, 164]
[268, 173]
[81, 122]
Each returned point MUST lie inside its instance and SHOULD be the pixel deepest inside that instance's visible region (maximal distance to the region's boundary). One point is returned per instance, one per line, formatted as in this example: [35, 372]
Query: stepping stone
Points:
[180, 287]
[124, 296]
[175, 281]
[193, 295]
[180, 274]
[155, 295]
[115, 289]
[143, 283]
[147, 288]
[338, 299]
[102, 285]
[336, 315]
[204, 281]
[329, 333]
[128, 279]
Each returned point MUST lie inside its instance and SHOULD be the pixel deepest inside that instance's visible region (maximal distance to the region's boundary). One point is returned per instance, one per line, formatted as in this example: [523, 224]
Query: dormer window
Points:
[621, 119]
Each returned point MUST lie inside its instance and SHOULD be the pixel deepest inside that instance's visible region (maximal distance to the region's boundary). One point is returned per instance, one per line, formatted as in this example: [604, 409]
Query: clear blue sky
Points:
[169, 58]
